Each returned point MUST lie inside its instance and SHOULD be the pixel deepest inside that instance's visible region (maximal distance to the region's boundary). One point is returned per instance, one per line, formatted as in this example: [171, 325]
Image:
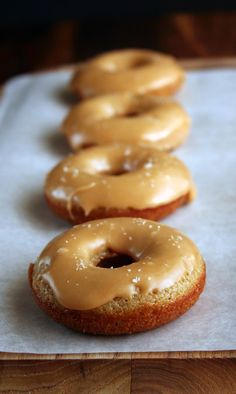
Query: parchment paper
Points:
[31, 110]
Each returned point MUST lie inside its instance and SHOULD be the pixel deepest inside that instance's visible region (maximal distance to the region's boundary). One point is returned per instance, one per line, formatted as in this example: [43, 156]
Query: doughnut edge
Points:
[141, 319]
[78, 216]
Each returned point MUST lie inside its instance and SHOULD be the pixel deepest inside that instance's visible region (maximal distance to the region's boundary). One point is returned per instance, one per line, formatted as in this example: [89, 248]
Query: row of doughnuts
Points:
[122, 106]
[119, 271]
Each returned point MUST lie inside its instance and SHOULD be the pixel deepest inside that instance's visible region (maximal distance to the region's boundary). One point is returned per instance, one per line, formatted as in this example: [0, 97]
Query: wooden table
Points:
[208, 35]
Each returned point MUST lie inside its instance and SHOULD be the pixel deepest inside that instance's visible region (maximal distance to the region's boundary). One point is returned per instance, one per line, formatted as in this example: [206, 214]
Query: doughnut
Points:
[118, 180]
[117, 276]
[127, 118]
[133, 70]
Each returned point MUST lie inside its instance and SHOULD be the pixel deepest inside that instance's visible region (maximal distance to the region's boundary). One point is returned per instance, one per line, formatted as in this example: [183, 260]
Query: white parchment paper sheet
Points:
[31, 110]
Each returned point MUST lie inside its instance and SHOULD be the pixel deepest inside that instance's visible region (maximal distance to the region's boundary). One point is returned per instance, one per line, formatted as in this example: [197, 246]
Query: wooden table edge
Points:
[218, 354]
[188, 64]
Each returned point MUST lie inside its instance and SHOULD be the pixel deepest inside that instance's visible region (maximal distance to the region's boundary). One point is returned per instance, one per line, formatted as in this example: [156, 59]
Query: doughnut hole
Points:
[128, 61]
[137, 105]
[125, 167]
[141, 62]
[120, 172]
[131, 114]
[128, 165]
[114, 259]
[120, 163]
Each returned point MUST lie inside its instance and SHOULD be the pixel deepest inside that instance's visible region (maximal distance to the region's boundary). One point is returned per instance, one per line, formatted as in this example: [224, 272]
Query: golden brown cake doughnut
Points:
[134, 70]
[118, 180]
[117, 276]
[128, 118]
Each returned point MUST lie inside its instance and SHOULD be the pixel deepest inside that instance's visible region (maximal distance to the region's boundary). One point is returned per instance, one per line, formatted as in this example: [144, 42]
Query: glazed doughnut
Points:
[117, 276]
[133, 70]
[118, 180]
[127, 118]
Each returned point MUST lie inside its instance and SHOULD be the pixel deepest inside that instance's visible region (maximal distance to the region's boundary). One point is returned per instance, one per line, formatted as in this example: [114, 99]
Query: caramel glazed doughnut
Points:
[117, 276]
[118, 180]
[127, 118]
[133, 70]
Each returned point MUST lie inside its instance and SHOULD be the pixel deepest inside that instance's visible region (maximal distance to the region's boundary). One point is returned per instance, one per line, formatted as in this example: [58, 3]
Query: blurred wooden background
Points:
[208, 34]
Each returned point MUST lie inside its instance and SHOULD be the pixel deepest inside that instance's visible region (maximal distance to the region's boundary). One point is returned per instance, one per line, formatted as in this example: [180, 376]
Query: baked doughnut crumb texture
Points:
[164, 281]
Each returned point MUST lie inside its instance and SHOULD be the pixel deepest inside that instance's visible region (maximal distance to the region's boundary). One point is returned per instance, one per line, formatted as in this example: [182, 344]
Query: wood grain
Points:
[184, 376]
[136, 376]
[65, 377]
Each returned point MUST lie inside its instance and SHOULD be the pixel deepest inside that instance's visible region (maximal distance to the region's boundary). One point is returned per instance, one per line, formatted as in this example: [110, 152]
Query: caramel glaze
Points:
[118, 176]
[135, 70]
[156, 122]
[69, 263]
